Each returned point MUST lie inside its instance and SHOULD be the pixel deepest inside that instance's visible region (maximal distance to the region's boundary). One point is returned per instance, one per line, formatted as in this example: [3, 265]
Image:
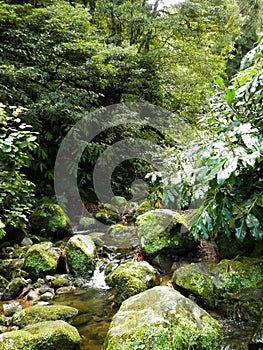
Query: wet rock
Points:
[33, 295]
[256, 341]
[161, 318]
[14, 289]
[51, 335]
[228, 281]
[64, 290]
[38, 313]
[47, 296]
[46, 289]
[10, 309]
[161, 229]
[59, 282]
[132, 278]
[41, 259]
[49, 221]
[81, 255]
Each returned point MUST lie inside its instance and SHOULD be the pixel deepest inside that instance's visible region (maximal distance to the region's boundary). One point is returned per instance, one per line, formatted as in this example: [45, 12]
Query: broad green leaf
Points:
[211, 175]
[252, 221]
[230, 95]
[219, 81]
[241, 229]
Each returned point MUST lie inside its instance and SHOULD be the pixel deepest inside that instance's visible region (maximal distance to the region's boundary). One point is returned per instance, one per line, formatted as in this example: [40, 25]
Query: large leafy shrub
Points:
[16, 191]
[233, 158]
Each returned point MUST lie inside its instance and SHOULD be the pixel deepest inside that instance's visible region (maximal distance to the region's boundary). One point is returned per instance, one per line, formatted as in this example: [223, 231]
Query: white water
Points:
[98, 279]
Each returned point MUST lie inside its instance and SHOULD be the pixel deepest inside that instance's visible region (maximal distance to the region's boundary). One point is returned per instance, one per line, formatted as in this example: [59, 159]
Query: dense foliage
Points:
[16, 191]
[62, 59]
[233, 160]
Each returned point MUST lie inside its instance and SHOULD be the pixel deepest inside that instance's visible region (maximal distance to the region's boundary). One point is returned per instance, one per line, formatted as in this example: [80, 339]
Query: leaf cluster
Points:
[16, 191]
[233, 157]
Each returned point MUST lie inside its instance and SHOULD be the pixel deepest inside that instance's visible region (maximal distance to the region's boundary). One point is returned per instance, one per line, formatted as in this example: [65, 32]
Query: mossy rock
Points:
[49, 221]
[81, 255]
[9, 266]
[107, 216]
[162, 319]
[132, 278]
[49, 335]
[13, 289]
[41, 260]
[87, 222]
[161, 228]
[3, 283]
[214, 282]
[38, 313]
[143, 208]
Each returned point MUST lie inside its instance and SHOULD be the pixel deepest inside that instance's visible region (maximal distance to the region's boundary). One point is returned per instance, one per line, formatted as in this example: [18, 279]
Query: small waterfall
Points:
[97, 281]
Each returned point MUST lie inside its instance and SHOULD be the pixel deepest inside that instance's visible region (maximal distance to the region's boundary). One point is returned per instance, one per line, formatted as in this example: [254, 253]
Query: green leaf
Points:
[219, 81]
[241, 229]
[230, 95]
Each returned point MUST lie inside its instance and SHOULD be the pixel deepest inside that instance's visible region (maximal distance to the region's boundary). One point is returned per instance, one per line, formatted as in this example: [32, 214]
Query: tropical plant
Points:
[233, 157]
[16, 191]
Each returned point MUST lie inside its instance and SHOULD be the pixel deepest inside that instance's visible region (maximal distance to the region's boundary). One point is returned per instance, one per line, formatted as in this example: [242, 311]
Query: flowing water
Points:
[95, 314]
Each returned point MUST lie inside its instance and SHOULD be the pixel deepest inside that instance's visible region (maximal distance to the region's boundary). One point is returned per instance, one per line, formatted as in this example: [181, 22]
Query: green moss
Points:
[157, 230]
[38, 313]
[49, 220]
[51, 335]
[181, 334]
[132, 278]
[80, 263]
[41, 259]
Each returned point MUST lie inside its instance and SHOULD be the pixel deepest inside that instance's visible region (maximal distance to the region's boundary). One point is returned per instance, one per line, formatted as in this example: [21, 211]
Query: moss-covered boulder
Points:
[225, 281]
[50, 335]
[13, 289]
[162, 319]
[132, 278]
[107, 216]
[38, 313]
[81, 255]
[49, 221]
[41, 259]
[162, 228]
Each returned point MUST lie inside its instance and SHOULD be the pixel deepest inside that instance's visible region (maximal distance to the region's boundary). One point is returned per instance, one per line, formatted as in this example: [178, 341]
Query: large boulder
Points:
[41, 260]
[162, 319]
[81, 255]
[49, 335]
[227, 281]
[132, 278]
[49, 221]
[38, 313]
[163, 228]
